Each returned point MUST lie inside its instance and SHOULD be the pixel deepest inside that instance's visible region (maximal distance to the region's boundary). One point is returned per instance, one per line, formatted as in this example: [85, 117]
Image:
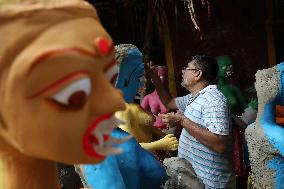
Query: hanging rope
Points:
[194, 19]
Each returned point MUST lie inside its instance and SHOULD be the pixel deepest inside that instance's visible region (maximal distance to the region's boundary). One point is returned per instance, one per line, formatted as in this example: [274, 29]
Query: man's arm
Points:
[164, 94]
[217, 143]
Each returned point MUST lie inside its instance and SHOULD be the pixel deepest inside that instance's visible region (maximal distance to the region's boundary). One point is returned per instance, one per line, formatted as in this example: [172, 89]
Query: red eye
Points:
[77, 100]
[113, 79]
[74, 96]
[112, 73]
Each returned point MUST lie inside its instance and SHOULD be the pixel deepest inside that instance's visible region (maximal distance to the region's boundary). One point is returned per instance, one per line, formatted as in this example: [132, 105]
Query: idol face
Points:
[225, 66]
[131, 75]
[59, 102]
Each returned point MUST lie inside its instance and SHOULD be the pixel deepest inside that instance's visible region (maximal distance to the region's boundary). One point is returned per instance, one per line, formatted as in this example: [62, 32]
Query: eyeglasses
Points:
[194, 69]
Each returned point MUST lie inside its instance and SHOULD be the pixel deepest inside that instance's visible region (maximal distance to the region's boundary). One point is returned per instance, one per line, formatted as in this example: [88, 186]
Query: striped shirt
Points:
[209, 109]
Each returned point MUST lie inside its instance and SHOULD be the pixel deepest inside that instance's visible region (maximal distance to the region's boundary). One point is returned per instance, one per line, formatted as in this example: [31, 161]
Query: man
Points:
[205, 138]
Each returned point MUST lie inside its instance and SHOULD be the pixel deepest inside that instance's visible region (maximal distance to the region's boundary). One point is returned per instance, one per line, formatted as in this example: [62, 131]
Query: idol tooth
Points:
[99, 137]
[107, 128]
[118, 121]
[113, 141]
[107, 150]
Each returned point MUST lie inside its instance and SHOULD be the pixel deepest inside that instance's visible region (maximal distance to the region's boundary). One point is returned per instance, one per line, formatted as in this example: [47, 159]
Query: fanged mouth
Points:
[229, 73]
[97, 140]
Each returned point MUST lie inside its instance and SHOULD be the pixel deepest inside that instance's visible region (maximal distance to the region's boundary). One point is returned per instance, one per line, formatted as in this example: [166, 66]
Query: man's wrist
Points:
[181, 122]
[184, 120]
[154, 77]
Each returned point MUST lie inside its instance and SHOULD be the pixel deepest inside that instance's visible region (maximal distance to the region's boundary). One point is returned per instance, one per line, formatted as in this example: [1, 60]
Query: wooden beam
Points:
[168, 53]
[269, 32]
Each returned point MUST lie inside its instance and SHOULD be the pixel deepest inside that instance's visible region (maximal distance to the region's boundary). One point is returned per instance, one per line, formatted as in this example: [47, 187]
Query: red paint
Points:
[110, 65]
[103, 46]
[55, 52]
[279, 115]
[56, 85]
[88, 138]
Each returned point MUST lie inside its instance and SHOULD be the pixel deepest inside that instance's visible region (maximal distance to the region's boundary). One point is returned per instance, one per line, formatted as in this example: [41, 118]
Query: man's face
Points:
[58, 94]
[189, 74]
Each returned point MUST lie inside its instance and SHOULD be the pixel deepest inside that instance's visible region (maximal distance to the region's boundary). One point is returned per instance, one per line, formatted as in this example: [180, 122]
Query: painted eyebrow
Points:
[57, 84]
[55, 52]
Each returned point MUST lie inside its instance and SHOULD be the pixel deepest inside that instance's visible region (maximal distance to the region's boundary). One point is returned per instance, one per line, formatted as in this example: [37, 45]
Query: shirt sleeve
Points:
[217, 117]
[182, 102]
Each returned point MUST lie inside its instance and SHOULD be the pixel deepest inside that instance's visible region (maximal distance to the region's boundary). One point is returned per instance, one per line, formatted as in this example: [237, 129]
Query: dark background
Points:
[237, 28]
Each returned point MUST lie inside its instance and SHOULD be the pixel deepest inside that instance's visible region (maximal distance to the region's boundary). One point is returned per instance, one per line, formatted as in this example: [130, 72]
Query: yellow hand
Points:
[169, 142]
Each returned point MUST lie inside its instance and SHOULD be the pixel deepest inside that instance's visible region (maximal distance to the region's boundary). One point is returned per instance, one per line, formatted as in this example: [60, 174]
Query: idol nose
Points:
[107, 101]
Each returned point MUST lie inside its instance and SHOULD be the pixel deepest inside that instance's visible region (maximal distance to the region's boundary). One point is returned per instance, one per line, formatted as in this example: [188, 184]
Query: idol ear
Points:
[2, 123]
[3, 129]
[5, 146]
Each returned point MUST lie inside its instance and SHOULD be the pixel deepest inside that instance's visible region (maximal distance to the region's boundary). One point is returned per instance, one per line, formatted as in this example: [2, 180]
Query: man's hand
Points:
[239, 121]
[171, 119]
[164, 94]
[150, 69]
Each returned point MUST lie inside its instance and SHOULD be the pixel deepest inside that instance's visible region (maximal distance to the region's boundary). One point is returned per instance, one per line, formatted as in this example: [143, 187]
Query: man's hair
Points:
[208, 65]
